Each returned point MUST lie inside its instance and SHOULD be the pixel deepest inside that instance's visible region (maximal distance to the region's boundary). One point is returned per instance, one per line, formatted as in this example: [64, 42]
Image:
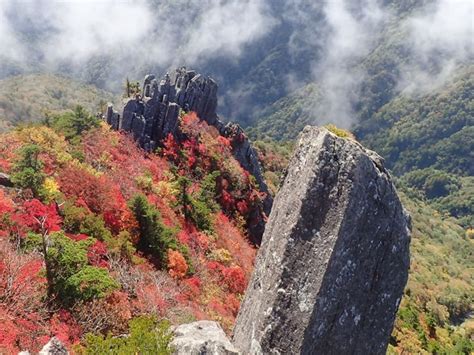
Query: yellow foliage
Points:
[221, 255]
[339, 131]
[144, 182]
[165, 189]
[45, 137]
[470, 233]
[50, 189]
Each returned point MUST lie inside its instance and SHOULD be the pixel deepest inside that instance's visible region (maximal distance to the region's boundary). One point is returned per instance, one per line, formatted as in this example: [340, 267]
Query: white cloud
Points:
[135, 33]
[83, 29]
[441, 38]
[224, 27]
[351, 35]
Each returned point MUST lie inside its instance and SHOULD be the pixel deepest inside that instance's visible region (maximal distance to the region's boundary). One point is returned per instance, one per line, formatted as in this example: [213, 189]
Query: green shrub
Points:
[434, 183]
[28, 169]
[89, 283]
[199, 207]
[31, 242]
[155, 237]
[79, 220]
[72, 124]
[122, 246]
[147, 336]
[66, 256]
[71, 278]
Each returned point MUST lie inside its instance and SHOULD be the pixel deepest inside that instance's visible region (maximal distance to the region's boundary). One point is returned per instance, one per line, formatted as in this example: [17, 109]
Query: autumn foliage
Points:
[126, 233]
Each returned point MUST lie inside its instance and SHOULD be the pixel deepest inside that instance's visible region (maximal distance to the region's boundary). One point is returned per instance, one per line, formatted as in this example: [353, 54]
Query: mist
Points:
[441, 38]
[131, 34]
[115, 39]
[351, 36]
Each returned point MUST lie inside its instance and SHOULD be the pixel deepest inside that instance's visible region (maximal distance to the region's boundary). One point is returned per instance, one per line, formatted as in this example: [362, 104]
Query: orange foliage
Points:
[177, 266]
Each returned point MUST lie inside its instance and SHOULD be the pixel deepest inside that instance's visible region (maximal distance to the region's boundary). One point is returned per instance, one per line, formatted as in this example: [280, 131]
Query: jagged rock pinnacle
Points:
[334, 257]
[151, 118]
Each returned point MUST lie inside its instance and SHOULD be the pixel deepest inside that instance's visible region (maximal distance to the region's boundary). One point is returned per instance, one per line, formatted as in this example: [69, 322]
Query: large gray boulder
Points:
[202, 338]
[334, 258]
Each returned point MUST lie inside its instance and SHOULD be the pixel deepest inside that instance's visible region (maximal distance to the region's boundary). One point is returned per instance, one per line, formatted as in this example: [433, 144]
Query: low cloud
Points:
[132, 34]
[351, 35]
[441, 37]
[130, 37]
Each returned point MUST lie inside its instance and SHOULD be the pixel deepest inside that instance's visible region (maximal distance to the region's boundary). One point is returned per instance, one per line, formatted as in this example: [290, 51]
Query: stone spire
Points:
[334, 258]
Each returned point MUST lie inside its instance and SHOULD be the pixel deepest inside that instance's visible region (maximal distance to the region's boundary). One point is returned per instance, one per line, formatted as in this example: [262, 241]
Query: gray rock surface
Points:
[202, 338]
[334, 258]
[54, 347]
[154, 116]
[5, 180]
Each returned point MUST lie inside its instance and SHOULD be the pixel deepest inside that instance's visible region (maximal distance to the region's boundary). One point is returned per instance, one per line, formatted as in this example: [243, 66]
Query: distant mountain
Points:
[29, 98]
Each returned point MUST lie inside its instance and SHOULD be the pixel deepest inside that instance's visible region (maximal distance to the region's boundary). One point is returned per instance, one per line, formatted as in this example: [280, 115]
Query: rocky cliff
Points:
[155, 115]
[334, 257]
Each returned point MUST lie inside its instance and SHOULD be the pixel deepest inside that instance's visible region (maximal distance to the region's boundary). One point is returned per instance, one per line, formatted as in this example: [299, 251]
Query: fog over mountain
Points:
[281, 44]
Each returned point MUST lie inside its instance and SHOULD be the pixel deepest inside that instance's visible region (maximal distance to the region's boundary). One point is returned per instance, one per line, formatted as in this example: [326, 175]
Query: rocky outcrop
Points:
[152, 117]
[54, 347]
[334, 257]
[202, 338]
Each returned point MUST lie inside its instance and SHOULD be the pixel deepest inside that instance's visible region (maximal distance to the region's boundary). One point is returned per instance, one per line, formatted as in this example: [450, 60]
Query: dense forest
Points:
[100, 225]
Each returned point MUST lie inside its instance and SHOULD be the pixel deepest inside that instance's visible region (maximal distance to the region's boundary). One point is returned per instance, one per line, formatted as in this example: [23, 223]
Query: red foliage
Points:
[234, 278]
[191, 121]
[18, 334]
[9, 145]
[217, 306]
[119, 301]
[99, 194]
[231, 238]
[215, 266]
[118, 155]
[242, 207]
[6, 208]
[97, 254]
[184, 237]
[115, 169]
[227, 200]
[64, 327]
[171, 148]
[149, 299]
[192, 287]
[22, 289]
[6, 204]
[224, 141]
[39, 217]
[78, 237]
[232, 303]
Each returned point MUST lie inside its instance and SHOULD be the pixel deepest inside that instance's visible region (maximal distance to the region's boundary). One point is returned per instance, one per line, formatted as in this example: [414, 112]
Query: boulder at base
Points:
[203, 337]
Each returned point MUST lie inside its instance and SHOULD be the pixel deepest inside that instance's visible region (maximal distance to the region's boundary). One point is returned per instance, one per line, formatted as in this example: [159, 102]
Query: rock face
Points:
[334, 257]
[54, 347]
[202, 338]
[5, 180]
[154, 116]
